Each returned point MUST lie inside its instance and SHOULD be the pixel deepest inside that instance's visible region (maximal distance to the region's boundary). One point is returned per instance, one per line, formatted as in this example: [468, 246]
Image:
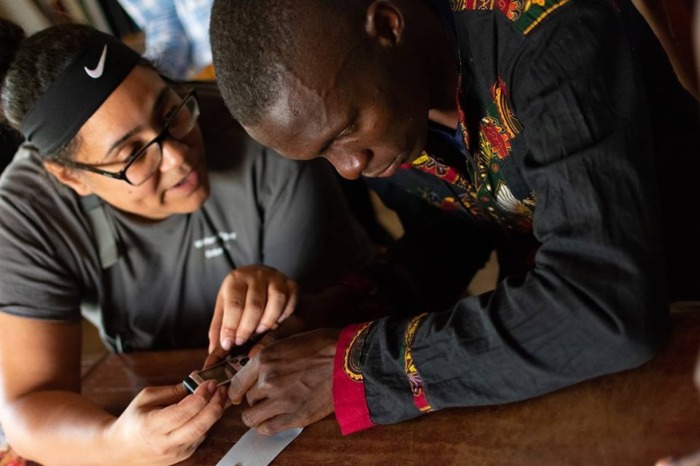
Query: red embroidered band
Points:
[351, 408]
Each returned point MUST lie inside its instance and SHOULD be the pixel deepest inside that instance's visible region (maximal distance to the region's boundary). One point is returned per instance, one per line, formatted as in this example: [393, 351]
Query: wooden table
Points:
[631, 418]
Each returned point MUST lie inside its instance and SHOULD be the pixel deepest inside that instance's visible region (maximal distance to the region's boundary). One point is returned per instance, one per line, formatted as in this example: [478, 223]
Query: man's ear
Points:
[68, 177]
[384, 23]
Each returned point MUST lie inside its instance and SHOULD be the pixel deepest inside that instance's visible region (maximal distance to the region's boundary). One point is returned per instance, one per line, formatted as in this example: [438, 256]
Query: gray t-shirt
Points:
[161, 291]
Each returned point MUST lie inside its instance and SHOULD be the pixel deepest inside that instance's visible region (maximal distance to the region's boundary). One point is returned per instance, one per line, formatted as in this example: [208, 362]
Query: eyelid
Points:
[342, 134]
[132, 146]
[347, 131]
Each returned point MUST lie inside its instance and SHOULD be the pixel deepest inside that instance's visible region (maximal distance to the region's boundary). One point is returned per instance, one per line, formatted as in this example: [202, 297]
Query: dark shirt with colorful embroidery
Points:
[554, 145]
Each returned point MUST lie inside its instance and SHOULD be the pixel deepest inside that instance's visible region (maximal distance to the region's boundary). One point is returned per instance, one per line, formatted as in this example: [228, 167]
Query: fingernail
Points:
[670, 461]
[240, 341]
[261, 328]
[281, 319]
[211, 388]
[226, 343]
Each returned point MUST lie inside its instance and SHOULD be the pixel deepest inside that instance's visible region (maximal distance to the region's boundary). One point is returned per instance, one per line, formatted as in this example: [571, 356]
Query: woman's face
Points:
[130, 118]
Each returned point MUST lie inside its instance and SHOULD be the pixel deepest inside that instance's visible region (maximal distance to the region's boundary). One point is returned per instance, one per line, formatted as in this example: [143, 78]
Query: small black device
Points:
[221, 372]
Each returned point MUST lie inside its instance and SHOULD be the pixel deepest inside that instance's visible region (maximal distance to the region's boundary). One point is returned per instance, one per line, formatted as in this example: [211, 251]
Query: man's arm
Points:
[595, 301]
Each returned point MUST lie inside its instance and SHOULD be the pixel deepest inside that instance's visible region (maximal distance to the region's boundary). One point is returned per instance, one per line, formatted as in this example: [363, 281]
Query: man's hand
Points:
[288, 383]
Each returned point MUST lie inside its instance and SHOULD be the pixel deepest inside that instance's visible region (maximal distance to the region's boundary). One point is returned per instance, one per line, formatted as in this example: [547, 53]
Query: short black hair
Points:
[249, 41]
[255, 41]
[29, 65]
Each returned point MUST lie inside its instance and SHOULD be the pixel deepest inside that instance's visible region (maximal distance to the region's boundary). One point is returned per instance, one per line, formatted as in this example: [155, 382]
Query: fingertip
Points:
[209, 387]
[180, 389]
[206, 389]
[669, 461]
[221, 396]
[261, 328]
[227, 343]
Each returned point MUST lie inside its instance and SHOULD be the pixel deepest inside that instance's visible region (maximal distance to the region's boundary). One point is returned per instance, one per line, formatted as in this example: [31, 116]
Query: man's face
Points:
[366, 117]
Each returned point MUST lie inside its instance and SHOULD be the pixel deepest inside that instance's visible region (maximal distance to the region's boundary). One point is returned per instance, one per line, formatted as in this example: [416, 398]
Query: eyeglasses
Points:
[141, 165]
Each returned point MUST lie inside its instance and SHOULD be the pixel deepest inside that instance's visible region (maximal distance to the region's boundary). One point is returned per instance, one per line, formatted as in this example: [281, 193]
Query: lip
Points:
[187, 184]
[390, 169]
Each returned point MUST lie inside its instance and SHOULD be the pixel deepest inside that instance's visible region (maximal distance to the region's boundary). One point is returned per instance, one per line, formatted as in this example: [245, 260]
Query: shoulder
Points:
[36, 206]
[26, 183]
[529, 16]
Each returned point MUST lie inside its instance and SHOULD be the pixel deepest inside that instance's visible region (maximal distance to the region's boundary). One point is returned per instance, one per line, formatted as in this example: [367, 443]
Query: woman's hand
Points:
[165, 425]
[253, 298]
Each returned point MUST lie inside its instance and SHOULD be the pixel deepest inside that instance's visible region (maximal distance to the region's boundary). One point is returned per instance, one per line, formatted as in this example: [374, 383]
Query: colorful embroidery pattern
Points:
[414, 378]
[351, 358]
[497, 130]
[464, 199]
[525, 14]
[482, 190]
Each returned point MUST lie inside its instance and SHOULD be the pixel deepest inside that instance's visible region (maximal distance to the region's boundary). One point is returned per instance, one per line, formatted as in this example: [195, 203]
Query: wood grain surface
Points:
[630, 418]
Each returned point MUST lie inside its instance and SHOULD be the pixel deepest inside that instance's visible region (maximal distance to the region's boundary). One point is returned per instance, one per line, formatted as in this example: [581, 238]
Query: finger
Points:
[280, 423]
[243, 380]
[234, 301]
[217, 355]
[277, 297]
[290, 416]
[294, 324]
[216, 321]
[254, 305]
[161, 396]
[262, 412]
[199, 424]
[176, 415]
[291, 302]
[267, 339]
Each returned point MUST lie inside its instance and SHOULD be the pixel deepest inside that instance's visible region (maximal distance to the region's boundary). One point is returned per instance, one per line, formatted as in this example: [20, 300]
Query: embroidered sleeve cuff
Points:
[351, 408]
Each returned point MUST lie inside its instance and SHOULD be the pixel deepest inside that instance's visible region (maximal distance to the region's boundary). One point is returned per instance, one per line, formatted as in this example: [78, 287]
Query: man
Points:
[546, 151]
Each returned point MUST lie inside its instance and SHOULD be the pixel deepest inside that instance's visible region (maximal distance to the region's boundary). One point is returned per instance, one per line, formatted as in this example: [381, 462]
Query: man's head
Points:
[348, 80]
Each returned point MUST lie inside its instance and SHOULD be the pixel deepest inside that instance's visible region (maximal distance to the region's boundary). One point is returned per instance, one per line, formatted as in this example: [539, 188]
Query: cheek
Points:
[133, 198]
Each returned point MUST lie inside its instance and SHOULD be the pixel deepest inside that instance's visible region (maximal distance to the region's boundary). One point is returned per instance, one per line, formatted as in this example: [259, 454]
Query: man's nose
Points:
[350, 164]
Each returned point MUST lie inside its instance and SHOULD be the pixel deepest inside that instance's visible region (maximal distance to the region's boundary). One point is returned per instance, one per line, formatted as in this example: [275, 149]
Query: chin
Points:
[194, 202]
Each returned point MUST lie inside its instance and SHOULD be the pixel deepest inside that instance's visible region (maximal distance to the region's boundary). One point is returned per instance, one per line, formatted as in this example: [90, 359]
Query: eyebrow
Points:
[162, 95]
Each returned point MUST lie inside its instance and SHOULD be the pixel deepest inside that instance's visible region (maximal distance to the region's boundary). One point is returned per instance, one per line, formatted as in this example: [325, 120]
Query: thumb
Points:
[243, 380]
[162, 396]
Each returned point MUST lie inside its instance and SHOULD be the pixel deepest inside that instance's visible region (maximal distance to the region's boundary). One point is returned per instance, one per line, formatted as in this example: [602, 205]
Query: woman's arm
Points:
[47, 420]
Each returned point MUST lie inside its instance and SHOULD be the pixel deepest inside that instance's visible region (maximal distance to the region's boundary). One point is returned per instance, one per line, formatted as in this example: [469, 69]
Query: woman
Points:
[113, 209]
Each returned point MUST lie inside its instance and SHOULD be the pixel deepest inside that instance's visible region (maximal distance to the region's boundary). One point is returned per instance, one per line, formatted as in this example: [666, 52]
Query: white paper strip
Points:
[254, 449]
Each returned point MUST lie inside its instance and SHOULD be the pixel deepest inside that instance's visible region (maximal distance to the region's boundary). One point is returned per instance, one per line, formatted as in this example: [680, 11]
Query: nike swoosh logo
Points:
[97, 71]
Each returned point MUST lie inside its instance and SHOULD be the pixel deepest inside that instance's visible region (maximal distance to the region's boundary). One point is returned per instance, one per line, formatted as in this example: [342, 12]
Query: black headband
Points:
[60, 112]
